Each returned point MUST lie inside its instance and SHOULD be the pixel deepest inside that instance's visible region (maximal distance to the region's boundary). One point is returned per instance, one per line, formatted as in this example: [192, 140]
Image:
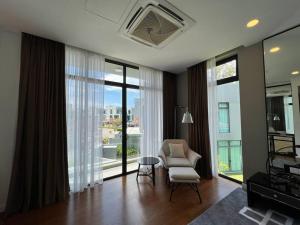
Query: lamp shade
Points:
[187, 118]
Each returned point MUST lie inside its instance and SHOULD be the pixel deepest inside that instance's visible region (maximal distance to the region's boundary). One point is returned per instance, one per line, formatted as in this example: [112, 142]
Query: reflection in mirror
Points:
[282, 66]
[280, 119]
[280, 109]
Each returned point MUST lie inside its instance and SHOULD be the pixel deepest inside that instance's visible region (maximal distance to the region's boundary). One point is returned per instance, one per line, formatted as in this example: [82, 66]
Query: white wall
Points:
[10, 50]
[253, 109]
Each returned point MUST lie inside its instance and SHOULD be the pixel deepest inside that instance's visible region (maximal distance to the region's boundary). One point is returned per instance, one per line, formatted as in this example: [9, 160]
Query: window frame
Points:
[124, 87]
[228, 79]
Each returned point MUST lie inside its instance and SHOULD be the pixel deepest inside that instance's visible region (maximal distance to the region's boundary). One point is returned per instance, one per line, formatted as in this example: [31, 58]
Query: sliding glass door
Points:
[121, 130]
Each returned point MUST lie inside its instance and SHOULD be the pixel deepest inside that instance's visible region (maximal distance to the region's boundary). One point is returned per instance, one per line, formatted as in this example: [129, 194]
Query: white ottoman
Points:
[184, 175]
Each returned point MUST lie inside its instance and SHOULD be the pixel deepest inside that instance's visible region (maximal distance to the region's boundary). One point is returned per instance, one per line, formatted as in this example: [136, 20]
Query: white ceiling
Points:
[94, 25]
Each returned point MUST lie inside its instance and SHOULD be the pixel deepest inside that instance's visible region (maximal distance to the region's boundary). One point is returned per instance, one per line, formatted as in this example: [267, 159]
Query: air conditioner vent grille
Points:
[154, 28]
[155, 23]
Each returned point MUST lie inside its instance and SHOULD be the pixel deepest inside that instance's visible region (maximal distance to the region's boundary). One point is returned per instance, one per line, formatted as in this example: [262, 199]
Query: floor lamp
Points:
[187, 118]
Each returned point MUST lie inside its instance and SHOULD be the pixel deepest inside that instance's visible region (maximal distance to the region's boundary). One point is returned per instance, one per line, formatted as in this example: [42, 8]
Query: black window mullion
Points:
[112, 83]
[121, 64]
[132, 86]
[124, 123]
[229, 156]
[227, 80]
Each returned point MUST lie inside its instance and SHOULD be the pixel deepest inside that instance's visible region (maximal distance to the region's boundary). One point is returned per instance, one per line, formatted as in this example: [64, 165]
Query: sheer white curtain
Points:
[151, 95]
[85, 99]
[212, 112]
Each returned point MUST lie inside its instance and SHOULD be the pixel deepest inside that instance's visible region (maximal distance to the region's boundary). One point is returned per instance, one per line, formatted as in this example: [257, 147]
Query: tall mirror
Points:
[282, 78]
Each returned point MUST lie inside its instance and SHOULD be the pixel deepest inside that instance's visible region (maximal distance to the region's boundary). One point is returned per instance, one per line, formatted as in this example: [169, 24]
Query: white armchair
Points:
[190, 159]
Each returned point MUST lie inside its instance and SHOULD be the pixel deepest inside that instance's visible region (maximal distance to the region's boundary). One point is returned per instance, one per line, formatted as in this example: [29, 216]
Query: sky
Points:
[113, 96]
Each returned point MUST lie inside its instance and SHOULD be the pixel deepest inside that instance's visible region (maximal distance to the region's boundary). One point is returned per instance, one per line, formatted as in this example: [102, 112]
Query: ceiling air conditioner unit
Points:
[155, 23]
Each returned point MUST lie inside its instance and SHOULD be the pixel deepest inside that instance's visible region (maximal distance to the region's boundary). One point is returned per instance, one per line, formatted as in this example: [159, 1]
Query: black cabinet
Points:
[280, 192]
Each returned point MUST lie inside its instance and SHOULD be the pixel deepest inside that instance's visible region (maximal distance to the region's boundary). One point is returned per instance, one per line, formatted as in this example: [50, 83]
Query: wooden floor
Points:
[124, 201]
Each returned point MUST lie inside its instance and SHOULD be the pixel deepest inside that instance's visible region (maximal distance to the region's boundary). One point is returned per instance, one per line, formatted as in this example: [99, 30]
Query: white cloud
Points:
[114, 77]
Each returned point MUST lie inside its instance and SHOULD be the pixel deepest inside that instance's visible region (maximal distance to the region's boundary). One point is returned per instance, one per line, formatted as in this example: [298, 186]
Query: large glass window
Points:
[229, 120]
[121, 131]
[227, 68]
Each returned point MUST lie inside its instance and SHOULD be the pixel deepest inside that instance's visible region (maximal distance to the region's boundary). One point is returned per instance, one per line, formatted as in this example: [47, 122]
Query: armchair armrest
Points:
[163, 158]
[193, 157]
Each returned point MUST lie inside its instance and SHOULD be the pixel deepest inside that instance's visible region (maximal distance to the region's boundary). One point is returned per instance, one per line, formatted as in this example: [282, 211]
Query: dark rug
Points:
[233, 210]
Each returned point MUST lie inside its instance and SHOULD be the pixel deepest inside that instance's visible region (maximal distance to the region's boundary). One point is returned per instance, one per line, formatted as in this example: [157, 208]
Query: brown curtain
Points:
[40, 170]
[169, 104]
[199, 130]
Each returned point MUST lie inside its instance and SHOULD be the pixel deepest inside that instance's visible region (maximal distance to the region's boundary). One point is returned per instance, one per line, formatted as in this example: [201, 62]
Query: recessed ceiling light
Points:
[252, 23]
[295, 72]
[274, 49]
[118, 70]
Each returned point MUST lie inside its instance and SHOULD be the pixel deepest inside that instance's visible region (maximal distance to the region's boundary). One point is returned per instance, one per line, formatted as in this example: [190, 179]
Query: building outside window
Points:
[224, 122]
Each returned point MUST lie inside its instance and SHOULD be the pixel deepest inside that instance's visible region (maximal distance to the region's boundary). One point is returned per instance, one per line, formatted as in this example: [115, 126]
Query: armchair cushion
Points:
[166, 149]
[183, 173]
[176, 150]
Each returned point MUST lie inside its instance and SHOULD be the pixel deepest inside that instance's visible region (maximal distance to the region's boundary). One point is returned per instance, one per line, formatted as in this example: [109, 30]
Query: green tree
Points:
[131, 151]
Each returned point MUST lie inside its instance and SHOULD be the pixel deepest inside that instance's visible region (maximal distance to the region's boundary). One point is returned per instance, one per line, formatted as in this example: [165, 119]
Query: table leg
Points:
[153, 174]
[137, 175]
